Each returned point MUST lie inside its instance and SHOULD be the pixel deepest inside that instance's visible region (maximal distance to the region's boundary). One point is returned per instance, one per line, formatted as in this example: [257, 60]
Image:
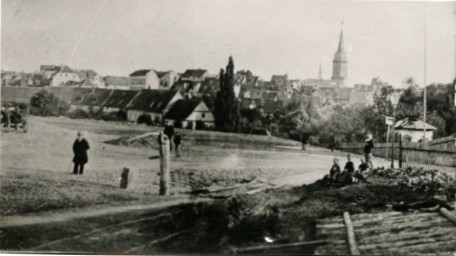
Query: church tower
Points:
[340, 63]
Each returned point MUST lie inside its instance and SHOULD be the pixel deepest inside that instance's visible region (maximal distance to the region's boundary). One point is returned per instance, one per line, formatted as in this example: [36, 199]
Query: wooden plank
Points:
[275, 246]
[449, 215]
[351, 235]
[439, 235]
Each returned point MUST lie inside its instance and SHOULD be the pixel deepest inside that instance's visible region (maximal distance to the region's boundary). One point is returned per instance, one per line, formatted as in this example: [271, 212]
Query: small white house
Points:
[414, 130]
[190, 113]
[63, 76]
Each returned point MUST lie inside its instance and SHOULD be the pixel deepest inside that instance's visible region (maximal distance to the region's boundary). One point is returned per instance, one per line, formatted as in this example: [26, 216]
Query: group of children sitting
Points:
[348, 176]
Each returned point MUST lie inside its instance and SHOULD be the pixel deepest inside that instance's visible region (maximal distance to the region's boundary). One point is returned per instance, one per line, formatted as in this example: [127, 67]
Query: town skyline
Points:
[85, 35]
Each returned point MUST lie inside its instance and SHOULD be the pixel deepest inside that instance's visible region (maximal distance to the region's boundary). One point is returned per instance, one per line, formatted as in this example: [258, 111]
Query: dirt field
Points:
[36, 166]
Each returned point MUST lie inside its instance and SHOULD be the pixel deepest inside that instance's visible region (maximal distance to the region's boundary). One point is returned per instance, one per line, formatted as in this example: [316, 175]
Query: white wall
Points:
[152, 80]
[197, 114]
[61, 78]
[415, 134]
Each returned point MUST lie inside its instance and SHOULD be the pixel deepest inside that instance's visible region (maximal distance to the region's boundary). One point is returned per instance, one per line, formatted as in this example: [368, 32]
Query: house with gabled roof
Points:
[49, 70]
[118, 100]
[190, 81]
[166, 79]
[413, 131]
[154, 103]
[63, 76]
[152, 79]
[190, 113]
[144, 79]
[90, 75]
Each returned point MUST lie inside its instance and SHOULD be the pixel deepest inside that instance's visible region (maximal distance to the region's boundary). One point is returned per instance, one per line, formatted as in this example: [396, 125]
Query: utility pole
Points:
[424, 92]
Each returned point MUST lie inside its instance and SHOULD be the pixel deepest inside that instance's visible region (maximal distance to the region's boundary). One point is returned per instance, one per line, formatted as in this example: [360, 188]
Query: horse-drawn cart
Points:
[15, 116]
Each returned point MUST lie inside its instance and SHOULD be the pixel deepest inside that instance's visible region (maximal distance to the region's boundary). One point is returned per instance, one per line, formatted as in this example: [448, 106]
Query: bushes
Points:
[79, 114]
[144, 119]
[46, 104]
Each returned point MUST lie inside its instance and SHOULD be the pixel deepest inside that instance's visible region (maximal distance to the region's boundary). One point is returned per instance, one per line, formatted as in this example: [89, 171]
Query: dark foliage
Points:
[144, 119]
[44, 103]
[227, 107]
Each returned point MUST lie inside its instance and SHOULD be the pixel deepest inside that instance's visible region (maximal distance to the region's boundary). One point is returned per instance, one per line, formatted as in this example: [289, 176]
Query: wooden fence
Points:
[411, 155]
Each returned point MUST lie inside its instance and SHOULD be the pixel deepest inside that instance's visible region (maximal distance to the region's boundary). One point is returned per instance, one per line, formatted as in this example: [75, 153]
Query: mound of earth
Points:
[143, 142]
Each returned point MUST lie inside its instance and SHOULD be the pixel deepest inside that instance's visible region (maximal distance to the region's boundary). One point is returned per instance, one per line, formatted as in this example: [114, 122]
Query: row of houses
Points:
[163, 106]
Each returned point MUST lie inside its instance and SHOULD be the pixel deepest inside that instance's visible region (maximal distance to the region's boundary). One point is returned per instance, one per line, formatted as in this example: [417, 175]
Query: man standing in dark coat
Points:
[368, 146]
[80, 147]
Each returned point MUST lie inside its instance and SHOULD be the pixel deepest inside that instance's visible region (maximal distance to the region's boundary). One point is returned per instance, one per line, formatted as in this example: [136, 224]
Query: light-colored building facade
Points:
[63, 76]
[144, 79]
[190, 113]
[413, 131]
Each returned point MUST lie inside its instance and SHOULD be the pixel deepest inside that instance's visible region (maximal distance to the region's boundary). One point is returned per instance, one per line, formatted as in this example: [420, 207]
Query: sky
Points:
[116, 37]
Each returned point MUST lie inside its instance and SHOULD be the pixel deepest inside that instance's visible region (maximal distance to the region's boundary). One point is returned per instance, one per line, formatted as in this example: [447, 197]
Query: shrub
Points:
[200, 125]
[177, 124]
[157, 120]
[144, 119]
[79, 114]
[121, 115]
[113, 116]
[44, 103]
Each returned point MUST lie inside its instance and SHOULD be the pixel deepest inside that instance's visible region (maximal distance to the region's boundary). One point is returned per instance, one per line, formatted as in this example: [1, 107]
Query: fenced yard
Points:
[432, 157]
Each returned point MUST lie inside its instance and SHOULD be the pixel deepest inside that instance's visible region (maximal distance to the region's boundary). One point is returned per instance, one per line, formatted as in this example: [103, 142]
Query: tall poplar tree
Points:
[227, 109]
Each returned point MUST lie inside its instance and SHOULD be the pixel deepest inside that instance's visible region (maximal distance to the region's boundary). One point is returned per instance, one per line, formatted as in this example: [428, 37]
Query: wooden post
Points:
[392, 151]
[125, 178]
[351, 235]
[164, 166]
[400, 151]
[387, 142]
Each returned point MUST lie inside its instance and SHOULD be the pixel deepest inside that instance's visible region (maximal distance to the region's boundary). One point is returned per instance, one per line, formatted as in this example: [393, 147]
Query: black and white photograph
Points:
[228, 127]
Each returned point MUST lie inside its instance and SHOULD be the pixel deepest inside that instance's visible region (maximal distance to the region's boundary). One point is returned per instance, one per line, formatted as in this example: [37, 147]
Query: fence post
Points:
[392, 151]
[164, 166]
[400, 151]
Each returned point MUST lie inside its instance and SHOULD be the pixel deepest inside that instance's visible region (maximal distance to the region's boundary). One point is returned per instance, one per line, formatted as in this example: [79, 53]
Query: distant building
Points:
[167, 79]
[91, 76]
[117, 82]
[64, 76]
[190, 81]
[342, 95]
[413, 130]
[363, 94]
[280, 81]
[144, 79]
[49, 70]
[154, 103]
[190, 113]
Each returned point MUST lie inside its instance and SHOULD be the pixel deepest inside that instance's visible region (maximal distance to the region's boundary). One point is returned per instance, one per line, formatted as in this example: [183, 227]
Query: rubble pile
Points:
[419, 180]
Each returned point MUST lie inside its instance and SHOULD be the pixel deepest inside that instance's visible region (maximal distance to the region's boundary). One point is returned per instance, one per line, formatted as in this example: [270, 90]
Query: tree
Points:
[298, 119]
[227, 108]
[46, 104]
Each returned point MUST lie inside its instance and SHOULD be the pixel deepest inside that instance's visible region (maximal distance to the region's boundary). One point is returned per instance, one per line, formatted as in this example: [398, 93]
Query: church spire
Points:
[340, 61]
[320, 76]
[341, 39]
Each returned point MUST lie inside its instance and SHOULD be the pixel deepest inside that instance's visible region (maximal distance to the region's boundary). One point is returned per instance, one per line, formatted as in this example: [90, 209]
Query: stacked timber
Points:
[391, 233]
